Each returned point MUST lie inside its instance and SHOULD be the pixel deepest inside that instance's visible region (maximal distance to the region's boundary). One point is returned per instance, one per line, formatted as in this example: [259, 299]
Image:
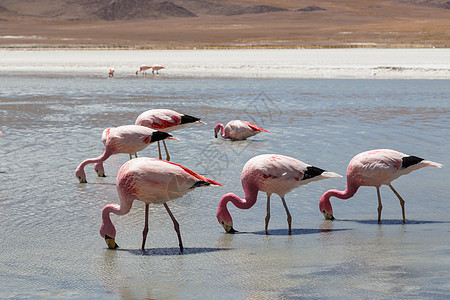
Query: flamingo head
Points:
[224, 217]
[107, 229]
[325, 207]
[217, 129]
[98, 167]
[79, 173]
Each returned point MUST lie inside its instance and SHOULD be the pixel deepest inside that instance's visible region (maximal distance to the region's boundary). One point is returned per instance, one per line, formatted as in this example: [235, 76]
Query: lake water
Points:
[50, 246]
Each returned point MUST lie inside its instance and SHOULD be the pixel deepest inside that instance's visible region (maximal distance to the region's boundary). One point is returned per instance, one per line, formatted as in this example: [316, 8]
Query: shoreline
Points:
[305, 63]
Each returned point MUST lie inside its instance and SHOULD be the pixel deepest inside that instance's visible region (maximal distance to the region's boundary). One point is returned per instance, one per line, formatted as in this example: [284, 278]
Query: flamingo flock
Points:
[157, 181]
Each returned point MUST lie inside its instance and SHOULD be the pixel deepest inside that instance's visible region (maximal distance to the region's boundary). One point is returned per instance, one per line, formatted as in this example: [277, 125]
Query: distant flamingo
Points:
[272, 174]
[2, 133]
[124, 139]
[237, 130]
[151, 181]
[165, 120]
[143, 69]
[111, 72]
[375, 168]
[156, 68]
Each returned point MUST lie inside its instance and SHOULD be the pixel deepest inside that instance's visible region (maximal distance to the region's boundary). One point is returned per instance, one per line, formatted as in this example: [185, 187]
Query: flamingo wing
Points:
[254, 127]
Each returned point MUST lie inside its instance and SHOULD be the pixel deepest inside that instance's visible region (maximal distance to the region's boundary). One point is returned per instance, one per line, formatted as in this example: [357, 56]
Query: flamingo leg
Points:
[135, 154]
[167, 152]
[268, 213]
[380, 206]
[159, 150]
[144, 233]
[176, 226]
[289, 218]
[402, 202]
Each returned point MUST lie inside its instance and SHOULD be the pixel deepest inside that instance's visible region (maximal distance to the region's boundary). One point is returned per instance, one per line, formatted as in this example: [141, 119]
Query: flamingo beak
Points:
[215, 134]
[328, 216]
[100, 174]
[82, 180]
[229, 228]
[111, 242]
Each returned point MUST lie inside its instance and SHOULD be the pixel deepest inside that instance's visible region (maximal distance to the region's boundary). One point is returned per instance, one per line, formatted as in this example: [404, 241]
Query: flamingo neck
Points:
[250, 200]
[107, 226]
[106, 154]
[221, 129]
[348, 193]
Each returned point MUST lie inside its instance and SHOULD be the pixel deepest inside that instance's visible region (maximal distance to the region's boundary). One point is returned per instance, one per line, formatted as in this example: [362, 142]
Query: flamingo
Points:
[375, 168]
[269, 173]
[143, 69]
[124, 139]
[156, 68]
[237, 130]
[111, 72]
[2, 133]
[149, 180]
[165, 120]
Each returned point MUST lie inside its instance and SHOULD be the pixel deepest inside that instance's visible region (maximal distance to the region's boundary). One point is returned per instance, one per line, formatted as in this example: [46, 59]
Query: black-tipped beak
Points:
[111, 242]
[232, 230]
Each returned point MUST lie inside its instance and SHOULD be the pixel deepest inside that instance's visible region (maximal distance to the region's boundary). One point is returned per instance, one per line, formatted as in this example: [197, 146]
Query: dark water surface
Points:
[49, 241]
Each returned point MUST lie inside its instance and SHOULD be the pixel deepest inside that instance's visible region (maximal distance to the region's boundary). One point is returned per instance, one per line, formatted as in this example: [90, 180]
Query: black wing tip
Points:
[159, 136]
[312, 172]
[200, 183]
[185, 119]
[408, 161]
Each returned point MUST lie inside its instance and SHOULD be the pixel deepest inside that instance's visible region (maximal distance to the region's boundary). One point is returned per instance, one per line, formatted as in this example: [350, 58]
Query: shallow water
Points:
[51, 248]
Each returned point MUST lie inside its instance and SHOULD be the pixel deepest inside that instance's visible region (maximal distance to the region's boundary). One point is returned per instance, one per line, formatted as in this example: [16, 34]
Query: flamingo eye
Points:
[323, 211]
[223, 223]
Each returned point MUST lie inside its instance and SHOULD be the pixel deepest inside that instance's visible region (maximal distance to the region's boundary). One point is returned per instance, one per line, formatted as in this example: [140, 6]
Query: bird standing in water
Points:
[237, 130]
[152, 181]
[123, 139]
[375, 168]
[272, 174]
[165, 120]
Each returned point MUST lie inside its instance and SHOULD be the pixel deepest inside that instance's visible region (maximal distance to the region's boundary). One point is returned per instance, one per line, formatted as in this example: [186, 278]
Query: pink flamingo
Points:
[124, 139]
[149, 180]
[269, 173]
[111, 72]
[2, 133]
[143, 69]
[165, 120]
[237, 130]
[156, 68]
[375, 168]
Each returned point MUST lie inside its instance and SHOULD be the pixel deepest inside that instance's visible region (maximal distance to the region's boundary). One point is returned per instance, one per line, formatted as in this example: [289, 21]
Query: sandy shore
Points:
[261, 63]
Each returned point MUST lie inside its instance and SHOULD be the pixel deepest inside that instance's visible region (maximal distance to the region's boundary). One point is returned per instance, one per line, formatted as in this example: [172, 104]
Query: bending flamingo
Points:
[143, 69]
[237, 130]
[152, 181]
[124, 139]
[156, 68]
[272, 174]
[111, 72]
[165, 120]
[375, 168]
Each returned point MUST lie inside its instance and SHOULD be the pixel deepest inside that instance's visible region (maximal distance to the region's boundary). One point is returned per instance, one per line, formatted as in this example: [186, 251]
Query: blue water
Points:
[49, 241]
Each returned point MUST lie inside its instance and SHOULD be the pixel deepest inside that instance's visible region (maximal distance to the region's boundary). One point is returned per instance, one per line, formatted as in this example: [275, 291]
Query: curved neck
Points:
[99, 159]
[251, 196]
[220, 129]
[107, 226]
[348, 193]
